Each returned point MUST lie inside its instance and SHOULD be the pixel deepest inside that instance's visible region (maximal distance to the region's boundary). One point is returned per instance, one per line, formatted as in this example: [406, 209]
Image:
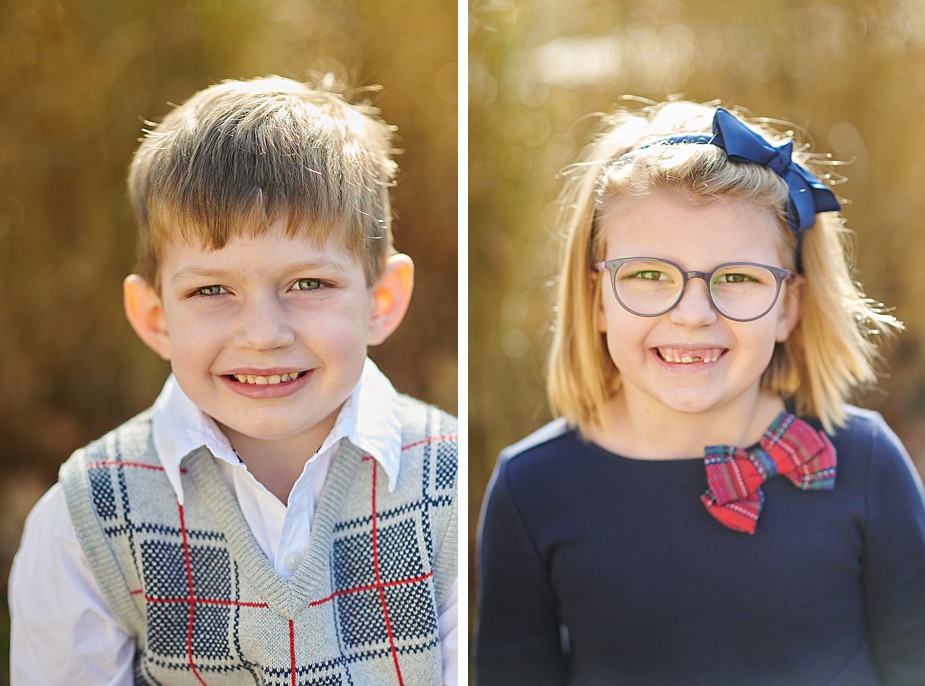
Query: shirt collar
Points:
[369, 419]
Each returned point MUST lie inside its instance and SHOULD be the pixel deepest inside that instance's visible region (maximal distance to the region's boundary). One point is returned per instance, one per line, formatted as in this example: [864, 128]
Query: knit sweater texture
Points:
[191, 585]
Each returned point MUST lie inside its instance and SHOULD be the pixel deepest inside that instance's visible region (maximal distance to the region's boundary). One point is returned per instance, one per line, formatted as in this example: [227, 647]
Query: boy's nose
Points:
[695, 308]
[263, 326]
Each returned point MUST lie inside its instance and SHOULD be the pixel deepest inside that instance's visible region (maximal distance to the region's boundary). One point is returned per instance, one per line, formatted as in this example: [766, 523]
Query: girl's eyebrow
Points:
[326, 263]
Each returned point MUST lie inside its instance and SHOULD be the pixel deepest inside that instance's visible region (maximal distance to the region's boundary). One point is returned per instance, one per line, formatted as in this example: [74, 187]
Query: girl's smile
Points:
[687, 356]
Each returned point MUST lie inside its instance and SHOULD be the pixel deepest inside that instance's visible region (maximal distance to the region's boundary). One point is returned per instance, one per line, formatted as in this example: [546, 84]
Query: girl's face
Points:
[692, 360]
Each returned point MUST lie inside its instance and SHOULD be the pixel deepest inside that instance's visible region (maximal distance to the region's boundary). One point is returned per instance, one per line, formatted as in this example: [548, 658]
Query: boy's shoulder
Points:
[422, 417]
[429, 430]
[132, 437]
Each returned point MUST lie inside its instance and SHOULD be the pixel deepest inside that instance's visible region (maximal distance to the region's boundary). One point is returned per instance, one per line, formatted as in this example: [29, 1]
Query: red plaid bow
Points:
[790, 447]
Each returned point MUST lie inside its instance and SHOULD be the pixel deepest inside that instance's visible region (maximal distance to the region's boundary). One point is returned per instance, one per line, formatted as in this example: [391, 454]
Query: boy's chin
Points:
[276, 428]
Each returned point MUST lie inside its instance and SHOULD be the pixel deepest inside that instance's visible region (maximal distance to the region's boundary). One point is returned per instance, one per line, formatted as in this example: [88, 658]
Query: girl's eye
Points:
[307, 285]
[648, 275]
[210, 290]
[736, 278]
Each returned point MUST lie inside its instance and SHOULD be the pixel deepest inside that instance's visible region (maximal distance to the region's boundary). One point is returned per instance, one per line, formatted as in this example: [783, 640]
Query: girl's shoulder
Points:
[550, 443]
[865, 428]
[868, 448]
[540, 440]
[538, 462]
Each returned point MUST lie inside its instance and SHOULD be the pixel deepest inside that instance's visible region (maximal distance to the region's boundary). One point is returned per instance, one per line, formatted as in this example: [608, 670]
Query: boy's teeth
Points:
[265, 380]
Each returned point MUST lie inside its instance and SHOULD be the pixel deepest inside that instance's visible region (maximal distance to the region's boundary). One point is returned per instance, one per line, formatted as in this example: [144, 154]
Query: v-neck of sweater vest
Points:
[288, 597]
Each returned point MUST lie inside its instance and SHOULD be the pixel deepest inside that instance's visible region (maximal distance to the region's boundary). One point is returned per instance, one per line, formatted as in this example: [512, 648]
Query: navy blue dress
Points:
[599, 569]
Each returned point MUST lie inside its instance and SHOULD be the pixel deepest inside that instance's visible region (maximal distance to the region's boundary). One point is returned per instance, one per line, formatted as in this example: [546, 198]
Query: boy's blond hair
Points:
[241, 155]
[832, 350]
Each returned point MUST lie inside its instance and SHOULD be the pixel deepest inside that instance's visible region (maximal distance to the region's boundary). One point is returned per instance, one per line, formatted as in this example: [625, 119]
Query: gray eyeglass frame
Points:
[780, 275]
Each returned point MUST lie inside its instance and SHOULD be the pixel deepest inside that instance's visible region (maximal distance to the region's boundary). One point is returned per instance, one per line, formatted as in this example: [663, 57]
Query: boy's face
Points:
[268, 335]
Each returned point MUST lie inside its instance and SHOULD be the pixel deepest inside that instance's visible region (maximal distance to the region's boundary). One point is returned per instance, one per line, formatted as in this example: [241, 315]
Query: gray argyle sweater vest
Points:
[191, 585]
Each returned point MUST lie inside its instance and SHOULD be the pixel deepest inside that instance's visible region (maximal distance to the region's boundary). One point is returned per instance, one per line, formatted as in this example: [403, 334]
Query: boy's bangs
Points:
[217, 214]
[212, 229]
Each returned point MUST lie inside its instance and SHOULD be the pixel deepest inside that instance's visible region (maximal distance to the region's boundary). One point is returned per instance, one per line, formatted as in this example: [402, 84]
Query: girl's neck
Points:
[639, 431]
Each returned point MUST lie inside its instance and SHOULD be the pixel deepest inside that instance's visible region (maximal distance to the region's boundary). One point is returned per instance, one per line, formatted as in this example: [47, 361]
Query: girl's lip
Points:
[266, 383]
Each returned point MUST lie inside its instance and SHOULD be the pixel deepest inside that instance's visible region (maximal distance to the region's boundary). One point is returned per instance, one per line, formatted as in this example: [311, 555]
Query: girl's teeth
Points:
[675, 357]
[265, 380]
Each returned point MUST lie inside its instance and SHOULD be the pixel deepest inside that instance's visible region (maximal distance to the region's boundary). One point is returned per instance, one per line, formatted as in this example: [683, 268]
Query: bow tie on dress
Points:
[790, 447]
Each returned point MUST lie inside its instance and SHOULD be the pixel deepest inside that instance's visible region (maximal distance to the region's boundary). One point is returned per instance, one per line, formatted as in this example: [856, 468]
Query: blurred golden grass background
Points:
[850, 73]
[78, 78]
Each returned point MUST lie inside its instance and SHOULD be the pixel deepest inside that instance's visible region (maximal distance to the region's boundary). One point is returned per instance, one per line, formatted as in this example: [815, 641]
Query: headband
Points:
[808, 195]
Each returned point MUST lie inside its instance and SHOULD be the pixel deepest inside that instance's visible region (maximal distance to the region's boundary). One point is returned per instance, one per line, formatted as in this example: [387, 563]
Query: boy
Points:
[280, 515]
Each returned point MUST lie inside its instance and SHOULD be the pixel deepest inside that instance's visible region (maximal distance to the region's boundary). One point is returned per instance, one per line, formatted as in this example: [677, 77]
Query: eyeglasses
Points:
[649, 287]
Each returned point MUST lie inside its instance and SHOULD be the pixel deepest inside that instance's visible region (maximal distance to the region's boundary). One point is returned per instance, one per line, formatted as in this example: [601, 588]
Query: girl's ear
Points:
[597, 301]
[792, 310]
[145, 313]
[390, 297]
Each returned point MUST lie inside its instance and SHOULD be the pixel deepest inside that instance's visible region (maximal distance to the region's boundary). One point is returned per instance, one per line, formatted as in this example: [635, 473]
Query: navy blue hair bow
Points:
[808, 195]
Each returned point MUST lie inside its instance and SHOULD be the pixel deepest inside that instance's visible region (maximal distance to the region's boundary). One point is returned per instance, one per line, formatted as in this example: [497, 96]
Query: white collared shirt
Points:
[62, 629]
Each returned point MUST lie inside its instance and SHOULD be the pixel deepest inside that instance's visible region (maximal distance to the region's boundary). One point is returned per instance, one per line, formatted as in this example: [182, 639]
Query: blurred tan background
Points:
[849, 72]
[77, 79]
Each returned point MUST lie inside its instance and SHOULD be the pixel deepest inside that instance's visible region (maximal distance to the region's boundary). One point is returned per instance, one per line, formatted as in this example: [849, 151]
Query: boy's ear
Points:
[390, 297]
[145, 313]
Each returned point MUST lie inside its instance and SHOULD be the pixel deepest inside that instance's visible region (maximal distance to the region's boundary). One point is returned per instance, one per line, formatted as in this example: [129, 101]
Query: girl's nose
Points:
[695, 308]
[263, 325]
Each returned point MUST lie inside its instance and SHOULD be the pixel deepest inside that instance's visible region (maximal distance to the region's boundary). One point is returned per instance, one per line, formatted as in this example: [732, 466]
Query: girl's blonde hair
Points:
[833, 349]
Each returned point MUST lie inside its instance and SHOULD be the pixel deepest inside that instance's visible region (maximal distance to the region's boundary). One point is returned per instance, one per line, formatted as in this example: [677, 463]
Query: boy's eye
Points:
[306, 285]
[210, 290]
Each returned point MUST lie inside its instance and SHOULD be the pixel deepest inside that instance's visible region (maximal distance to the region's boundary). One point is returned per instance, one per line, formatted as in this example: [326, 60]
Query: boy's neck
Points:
[635, 431]
[278, 463]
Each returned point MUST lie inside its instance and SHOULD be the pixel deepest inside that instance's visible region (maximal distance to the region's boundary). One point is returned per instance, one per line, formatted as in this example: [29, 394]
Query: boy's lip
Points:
[275, 382]
[263, 371]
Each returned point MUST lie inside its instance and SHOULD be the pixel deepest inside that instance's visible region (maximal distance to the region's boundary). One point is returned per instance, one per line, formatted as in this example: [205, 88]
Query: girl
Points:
[707, 509]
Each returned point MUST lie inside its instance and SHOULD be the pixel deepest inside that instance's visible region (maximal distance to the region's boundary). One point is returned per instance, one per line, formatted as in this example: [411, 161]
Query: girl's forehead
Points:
[670, 225]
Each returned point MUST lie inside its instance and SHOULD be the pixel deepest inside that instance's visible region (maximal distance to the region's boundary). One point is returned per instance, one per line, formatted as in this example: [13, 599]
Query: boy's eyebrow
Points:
[326, 262]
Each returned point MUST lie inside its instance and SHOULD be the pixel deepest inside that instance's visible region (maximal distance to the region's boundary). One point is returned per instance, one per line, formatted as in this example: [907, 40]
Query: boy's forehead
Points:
[272, 244]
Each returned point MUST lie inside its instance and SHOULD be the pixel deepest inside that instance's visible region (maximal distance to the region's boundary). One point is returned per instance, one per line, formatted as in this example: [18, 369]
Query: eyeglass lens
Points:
[651, 287]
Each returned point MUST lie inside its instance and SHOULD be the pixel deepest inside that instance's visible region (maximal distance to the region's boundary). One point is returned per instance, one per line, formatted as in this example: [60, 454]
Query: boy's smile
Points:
[267, 335]
[267, 383]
